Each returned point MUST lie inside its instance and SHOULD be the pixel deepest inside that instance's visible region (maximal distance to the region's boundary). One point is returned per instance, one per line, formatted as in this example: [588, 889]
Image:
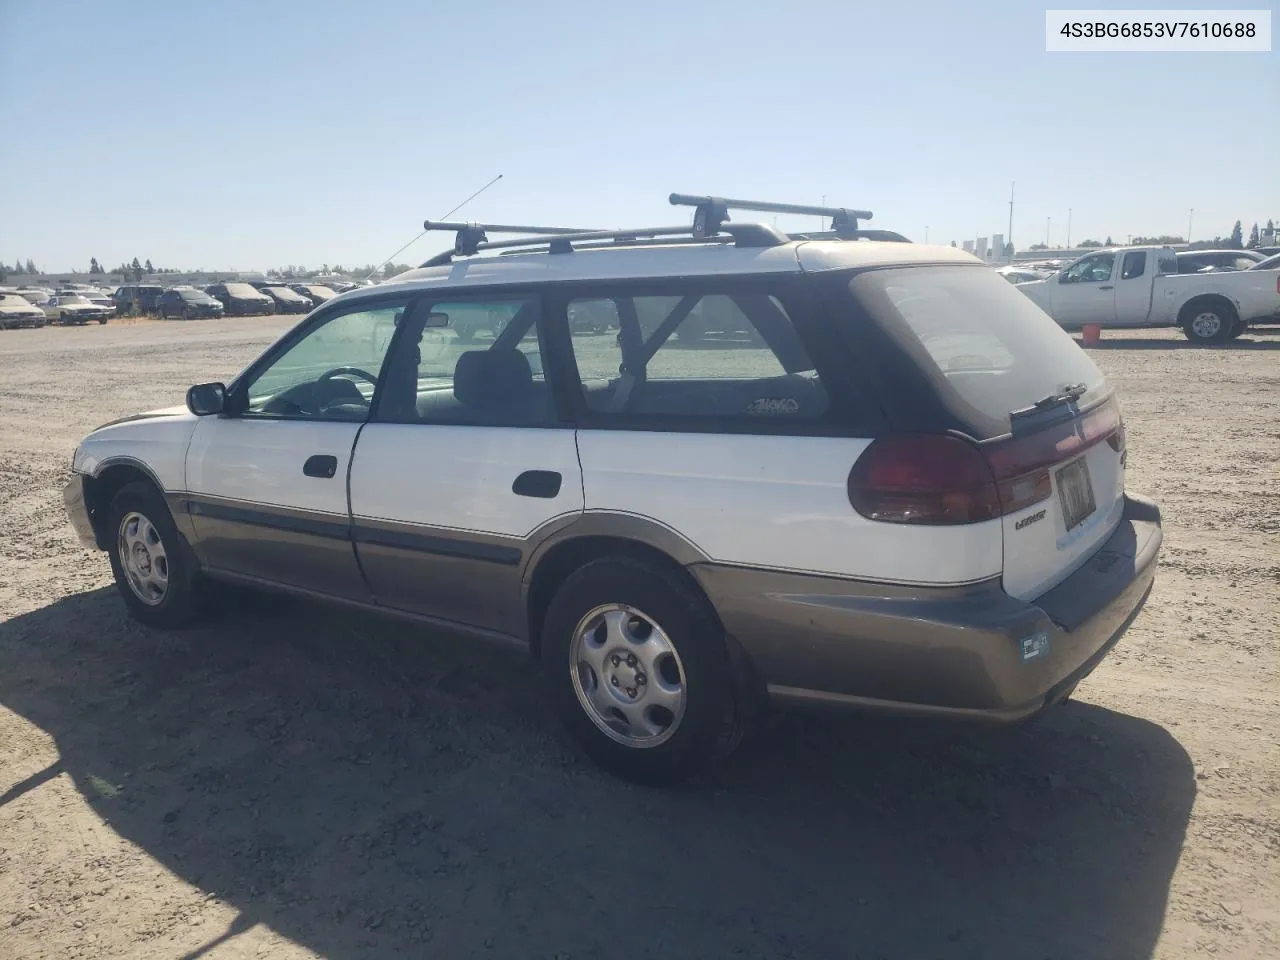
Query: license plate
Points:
[1075, 491]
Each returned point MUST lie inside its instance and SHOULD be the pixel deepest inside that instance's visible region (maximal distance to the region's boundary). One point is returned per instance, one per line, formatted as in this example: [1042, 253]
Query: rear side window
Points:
[1167, 262]
[695, 359]
[1135, 264]
[985, 346]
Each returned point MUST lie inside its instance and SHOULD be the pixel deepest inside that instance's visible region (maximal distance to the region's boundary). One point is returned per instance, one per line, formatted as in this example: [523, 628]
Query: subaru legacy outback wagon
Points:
[882, 479]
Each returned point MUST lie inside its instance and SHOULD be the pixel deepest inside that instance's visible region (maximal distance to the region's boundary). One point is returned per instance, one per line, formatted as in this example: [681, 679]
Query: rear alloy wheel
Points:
[1208, 323]
[638, 669]
[149, 558]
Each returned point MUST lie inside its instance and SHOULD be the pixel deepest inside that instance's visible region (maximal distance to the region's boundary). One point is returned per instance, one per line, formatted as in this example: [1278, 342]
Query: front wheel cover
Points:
[150, 560]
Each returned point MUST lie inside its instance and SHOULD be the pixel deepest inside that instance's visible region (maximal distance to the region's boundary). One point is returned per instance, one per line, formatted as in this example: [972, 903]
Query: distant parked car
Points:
[35, 295]
[241, 299]
[98, 297]
[1271, 263]
[1267, 251]
[137, 298]
[188, 303]
[316, 293]
[65, 308]
[1198, 261]
[287, 301]
[17, 311]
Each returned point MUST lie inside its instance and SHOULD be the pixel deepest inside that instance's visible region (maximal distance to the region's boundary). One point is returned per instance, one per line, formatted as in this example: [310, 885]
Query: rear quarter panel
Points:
[775, 502]
[1253, 292]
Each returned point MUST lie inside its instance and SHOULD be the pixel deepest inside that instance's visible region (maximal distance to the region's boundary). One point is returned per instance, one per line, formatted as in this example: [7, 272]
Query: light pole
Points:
[1048, 222]
[926, 233]
[1009, 236]
[1190, 217]
[1068, 228]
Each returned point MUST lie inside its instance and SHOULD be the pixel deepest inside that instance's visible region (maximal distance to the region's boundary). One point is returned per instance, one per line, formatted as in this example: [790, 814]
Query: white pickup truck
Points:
[1141, 287]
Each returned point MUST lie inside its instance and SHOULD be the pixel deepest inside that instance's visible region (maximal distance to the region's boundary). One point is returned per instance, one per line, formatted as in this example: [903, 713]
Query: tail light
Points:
[942, 479]
[923, 478]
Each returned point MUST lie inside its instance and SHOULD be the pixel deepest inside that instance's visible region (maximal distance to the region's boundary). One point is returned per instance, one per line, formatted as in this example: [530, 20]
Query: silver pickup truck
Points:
[1141, 287]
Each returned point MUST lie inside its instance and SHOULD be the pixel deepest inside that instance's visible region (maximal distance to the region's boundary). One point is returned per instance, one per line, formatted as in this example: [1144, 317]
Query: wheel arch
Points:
[1201, 300]
[101, 488]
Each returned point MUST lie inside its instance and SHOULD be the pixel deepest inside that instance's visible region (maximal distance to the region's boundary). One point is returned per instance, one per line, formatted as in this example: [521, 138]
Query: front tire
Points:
[638, 670]
[150, 559]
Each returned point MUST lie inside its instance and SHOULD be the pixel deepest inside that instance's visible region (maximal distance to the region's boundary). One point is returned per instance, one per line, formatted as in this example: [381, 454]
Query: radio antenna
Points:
[445, 217]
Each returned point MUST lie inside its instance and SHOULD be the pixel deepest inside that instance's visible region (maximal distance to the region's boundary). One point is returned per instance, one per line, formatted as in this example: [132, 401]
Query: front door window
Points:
[331, 372]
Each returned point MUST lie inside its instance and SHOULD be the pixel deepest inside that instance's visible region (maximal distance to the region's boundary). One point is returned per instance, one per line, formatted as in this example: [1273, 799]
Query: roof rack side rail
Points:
[890, 236]
[742, 234]
[712, 212]
[469, 235]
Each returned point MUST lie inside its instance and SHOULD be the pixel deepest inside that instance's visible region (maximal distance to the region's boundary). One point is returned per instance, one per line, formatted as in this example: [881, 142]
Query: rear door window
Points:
[987, 349]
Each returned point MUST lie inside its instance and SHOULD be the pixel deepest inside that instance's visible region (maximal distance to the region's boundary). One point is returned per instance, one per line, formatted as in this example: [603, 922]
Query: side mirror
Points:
[205, 399]
[1064, 277]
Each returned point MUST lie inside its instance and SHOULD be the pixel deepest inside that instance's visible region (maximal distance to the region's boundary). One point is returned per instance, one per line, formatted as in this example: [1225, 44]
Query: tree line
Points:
[1233, 241]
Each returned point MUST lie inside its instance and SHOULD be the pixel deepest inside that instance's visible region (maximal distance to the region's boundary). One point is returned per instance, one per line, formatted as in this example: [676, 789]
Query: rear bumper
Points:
[970, 651]
[78, 512]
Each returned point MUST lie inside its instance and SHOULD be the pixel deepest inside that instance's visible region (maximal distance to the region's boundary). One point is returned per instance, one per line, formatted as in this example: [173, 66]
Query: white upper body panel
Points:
[779, 503]
[157, 440]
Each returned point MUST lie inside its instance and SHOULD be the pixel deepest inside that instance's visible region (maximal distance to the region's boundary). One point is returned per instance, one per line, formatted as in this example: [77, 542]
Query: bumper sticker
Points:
[1035, 646]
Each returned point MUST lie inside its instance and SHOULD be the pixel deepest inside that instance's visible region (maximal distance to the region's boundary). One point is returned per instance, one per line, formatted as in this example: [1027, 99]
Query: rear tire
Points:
[1208, 322]
[637, 668]
[1238, 328]
[150, 559]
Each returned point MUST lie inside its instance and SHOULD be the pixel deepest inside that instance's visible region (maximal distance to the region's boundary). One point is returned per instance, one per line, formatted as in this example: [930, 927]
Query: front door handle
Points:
[322, 465]
[1107, 287]
[537, 483]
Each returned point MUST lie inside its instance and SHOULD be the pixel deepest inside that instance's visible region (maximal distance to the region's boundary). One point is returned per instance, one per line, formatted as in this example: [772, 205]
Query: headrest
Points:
[492, 379]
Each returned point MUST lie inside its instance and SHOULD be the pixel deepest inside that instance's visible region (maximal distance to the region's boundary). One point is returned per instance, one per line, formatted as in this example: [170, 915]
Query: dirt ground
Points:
[293, 782]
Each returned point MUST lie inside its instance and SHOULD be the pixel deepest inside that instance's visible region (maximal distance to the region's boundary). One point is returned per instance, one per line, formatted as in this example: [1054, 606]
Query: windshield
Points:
[195, 296]
[69, 298]
[13, 300]
[987, 347]
[242, 290]
[284, 293]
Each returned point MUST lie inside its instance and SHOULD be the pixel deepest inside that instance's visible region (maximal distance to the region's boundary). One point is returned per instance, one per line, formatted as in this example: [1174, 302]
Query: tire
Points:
[1208, 322]
[680, 665]
[1238, 328]
[101, 321]
[138, 515]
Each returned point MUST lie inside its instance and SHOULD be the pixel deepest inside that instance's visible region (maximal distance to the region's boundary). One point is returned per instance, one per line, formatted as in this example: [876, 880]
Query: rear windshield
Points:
[988, 349]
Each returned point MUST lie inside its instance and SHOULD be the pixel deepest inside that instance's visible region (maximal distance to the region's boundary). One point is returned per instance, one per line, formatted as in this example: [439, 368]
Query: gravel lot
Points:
[294, 782]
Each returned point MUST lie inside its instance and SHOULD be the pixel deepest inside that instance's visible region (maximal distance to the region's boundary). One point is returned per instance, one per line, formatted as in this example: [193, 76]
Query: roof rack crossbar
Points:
[712, 212]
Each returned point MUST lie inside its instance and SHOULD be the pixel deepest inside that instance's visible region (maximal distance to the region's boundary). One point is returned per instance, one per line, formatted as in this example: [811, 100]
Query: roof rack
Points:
[711, 212]
[710, 225]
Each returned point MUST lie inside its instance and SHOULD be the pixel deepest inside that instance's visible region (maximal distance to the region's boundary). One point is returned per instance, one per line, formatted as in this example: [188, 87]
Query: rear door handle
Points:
[1107, 287]
[537, 483]
[321, 465]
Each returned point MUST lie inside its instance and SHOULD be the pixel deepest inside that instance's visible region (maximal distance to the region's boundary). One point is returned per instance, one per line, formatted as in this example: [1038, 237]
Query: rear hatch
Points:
[1019, 390]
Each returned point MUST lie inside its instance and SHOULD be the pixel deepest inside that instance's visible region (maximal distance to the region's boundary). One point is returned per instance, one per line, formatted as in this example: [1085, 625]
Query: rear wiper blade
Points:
[1070, 393]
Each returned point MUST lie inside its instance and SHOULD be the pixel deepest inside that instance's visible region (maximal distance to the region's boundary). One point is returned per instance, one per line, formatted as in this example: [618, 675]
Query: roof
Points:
[665, 260]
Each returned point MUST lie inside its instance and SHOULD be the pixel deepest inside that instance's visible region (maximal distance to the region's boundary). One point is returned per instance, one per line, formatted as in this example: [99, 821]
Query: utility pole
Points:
[1048, 223]
[926, 233]
[822, 221]
[1068, 228]
[1009, 236]
[1190, 217]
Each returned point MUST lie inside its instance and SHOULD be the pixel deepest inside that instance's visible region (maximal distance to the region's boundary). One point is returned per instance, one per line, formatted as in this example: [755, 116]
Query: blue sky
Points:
[251, 134]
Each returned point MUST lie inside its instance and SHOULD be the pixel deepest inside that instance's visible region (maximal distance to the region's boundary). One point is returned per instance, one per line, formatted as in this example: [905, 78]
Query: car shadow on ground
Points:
[370, 789]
